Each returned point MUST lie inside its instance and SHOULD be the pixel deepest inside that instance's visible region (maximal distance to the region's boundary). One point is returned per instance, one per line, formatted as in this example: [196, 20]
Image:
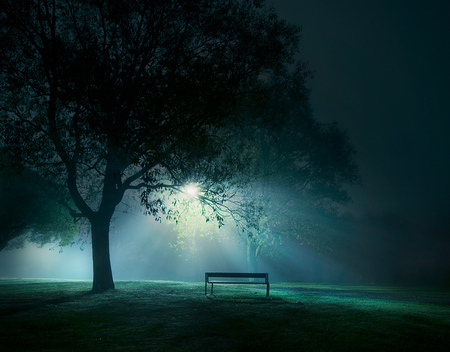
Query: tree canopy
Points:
[104, 97]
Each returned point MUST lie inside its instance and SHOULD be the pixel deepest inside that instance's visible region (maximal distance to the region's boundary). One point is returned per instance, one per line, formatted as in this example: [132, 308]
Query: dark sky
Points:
[382, 71]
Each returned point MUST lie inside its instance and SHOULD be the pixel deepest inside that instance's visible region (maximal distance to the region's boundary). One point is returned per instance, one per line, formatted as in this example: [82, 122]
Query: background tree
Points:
[105, 97]
[294, 179]
[27, 213]
[303, 176]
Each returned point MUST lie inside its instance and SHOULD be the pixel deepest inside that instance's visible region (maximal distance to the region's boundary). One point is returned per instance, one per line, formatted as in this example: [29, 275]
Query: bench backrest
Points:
[264, 276]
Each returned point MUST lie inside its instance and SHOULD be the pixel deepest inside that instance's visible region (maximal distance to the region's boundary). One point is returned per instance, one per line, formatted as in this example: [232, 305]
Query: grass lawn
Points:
[51, 315]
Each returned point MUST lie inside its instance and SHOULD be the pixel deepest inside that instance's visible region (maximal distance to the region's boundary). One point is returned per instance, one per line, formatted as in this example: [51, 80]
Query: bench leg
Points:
[212, 286]
[267, 293]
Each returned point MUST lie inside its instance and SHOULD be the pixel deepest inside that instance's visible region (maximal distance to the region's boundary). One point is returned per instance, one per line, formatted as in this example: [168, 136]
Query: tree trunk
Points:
[252, 265]
[103, 279]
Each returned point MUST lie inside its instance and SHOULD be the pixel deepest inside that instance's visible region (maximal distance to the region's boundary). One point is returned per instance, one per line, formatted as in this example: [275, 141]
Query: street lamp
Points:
[191, 190]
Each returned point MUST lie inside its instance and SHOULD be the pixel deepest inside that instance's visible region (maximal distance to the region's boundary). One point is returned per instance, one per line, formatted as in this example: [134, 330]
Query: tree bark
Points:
[103, 279]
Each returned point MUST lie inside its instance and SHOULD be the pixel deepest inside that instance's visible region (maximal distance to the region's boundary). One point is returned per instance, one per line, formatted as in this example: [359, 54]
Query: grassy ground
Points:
[44, 315]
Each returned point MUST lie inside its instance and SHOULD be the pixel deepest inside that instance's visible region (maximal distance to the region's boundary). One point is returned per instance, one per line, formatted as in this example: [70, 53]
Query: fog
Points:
[143, 249]
[373, 250]
[403, 160]
[46, 262]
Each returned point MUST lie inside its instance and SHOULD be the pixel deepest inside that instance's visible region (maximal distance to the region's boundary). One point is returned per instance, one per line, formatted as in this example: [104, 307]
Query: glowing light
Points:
[191, 190]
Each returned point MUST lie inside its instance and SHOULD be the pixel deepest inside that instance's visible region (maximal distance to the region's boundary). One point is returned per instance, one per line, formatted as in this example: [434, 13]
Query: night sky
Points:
[382, 72]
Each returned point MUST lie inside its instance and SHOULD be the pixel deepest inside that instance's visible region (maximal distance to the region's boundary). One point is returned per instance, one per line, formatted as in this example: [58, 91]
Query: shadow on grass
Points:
[411, 296]
[7, 309]
[171, 316]
[249, 299]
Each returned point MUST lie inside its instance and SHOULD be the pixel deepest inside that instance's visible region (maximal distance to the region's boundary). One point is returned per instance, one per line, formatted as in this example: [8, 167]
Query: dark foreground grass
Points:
[43, 315]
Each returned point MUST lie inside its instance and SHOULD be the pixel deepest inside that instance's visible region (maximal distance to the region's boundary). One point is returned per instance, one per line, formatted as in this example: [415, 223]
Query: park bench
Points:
[236, 278]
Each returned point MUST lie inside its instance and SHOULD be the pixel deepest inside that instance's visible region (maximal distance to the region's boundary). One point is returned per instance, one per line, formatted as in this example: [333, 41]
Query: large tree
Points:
[106, 97]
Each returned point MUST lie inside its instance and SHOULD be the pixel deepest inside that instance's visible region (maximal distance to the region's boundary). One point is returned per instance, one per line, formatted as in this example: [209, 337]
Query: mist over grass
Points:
[142, 249]
[176, 316]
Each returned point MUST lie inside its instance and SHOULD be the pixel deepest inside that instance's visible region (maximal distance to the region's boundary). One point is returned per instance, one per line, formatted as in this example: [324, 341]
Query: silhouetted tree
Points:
[28, 212]
[106, 97]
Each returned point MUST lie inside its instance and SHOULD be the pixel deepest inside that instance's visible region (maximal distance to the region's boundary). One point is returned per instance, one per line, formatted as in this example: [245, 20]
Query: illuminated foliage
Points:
[295, 177]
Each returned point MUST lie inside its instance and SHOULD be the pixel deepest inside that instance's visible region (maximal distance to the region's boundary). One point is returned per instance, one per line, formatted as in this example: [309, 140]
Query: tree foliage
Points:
[296, 178]
[27, 212]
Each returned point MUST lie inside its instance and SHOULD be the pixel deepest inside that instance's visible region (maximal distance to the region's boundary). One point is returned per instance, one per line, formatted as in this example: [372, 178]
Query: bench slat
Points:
[237, 282]
[249, 275]
[209, 275]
